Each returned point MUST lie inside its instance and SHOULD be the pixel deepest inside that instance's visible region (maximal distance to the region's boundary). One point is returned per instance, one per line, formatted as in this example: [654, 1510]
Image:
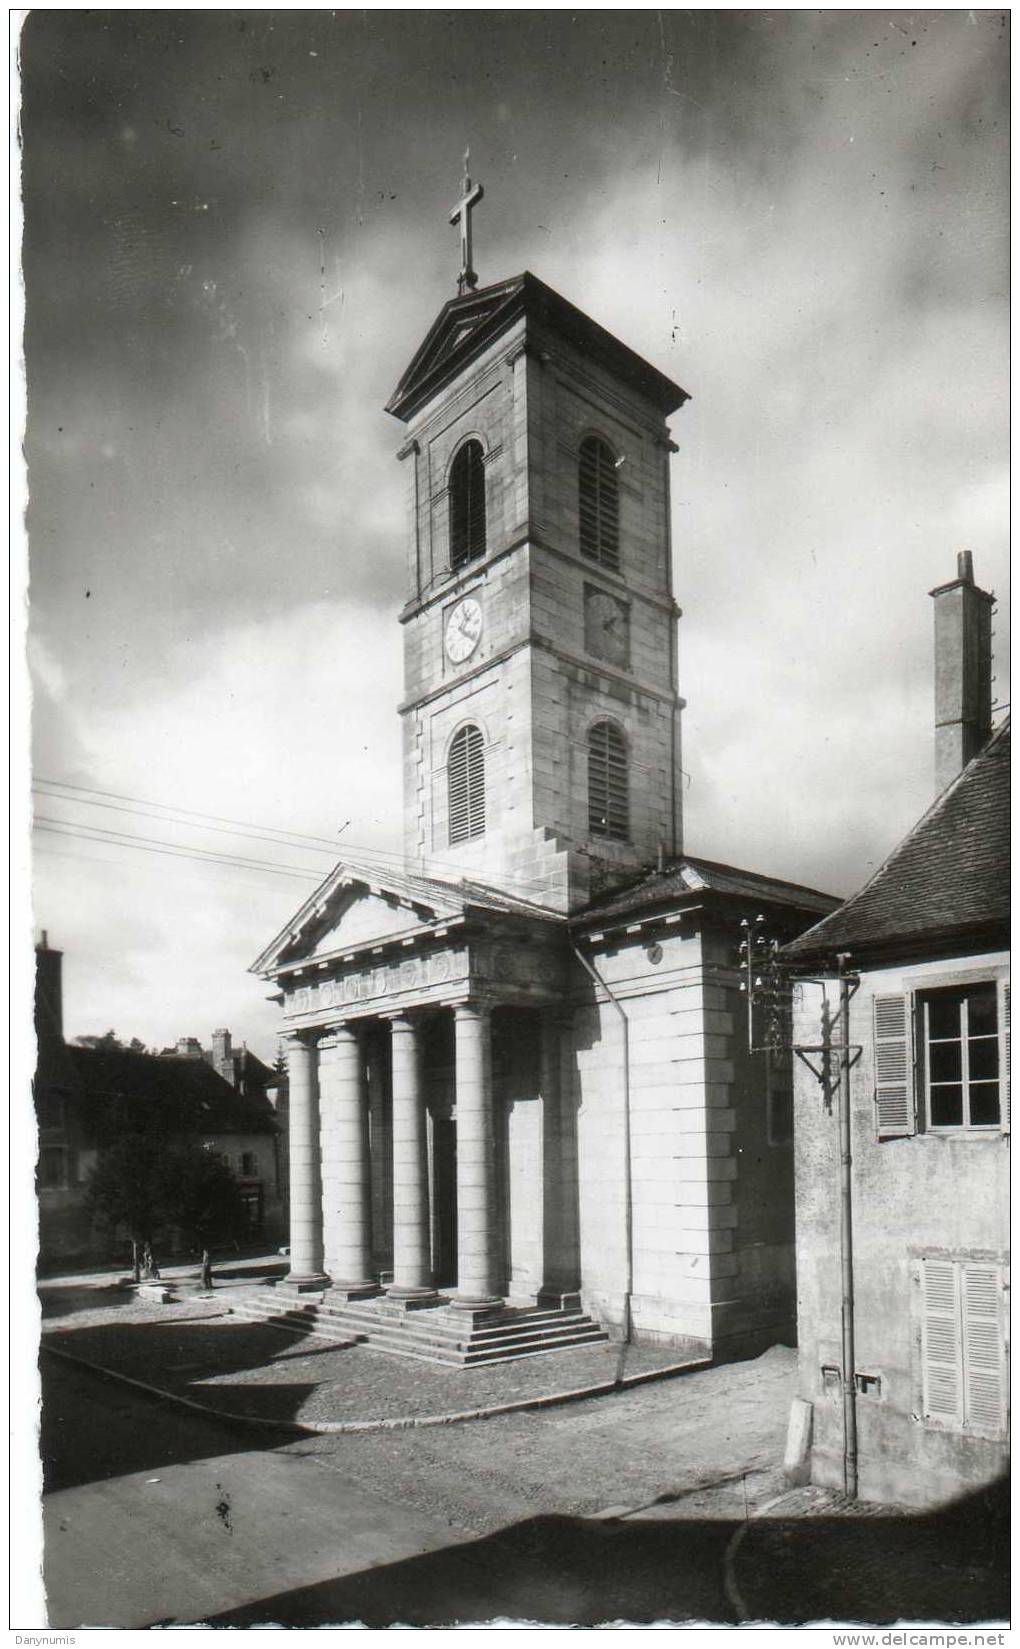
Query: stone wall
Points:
[923, 1194]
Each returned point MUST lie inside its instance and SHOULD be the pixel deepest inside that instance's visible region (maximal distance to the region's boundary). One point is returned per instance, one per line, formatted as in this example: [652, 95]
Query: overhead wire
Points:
[119, 801]
[117, 838]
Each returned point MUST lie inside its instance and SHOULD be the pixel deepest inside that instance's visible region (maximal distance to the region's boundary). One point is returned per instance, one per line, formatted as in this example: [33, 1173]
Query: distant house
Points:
[927, 937]
[88, 1097]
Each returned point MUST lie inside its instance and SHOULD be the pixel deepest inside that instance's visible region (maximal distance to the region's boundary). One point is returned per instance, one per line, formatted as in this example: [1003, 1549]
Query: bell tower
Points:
[541, 714]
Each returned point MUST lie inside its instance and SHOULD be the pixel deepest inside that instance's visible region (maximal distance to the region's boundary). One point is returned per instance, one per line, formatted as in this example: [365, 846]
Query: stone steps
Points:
[433, 1334]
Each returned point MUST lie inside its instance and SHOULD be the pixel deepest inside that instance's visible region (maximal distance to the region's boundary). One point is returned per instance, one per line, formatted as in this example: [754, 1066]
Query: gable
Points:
[361, 917]
[463, 323]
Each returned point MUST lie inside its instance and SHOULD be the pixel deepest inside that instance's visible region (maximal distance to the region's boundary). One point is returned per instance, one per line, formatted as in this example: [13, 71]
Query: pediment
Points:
[461, 325]
[354, 911]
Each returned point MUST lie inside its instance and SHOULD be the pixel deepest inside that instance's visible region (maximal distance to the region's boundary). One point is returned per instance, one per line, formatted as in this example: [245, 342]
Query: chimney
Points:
[222, 1058]
[49, 995]
[963, 671]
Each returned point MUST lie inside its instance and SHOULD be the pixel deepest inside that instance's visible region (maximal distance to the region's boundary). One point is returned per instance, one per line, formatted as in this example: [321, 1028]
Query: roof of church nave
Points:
[468, 324]
[686, 876]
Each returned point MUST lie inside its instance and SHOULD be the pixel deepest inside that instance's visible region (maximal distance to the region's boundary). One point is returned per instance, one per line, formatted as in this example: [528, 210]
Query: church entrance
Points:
[444, 1189]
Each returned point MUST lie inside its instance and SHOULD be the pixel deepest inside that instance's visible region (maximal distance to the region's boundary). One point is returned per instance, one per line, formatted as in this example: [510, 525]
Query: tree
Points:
[146, 1186]
[110, 1039]
[207, 1203]
[127, 1189]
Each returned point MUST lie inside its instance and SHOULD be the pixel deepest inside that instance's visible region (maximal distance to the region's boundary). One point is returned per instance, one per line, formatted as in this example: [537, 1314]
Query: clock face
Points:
[463, 630]
[606, 627]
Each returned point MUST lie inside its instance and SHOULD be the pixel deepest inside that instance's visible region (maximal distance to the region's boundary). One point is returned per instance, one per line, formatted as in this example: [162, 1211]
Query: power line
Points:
[386, 857]
[116, 838]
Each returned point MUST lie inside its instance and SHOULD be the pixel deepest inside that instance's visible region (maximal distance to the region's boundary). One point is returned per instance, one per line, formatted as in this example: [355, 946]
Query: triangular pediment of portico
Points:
[353, 912]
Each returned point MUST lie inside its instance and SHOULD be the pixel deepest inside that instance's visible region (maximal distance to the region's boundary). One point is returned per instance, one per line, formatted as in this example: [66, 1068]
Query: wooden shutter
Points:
[608, 790]
[465, 775]
[894, 1071]
[599, 503]
[984, 1361]
[940, 1340]
[467, 505]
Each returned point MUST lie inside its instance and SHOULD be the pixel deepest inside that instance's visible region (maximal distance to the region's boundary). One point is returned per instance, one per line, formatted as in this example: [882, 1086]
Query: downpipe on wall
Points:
[628, 1199]
[846, 1242]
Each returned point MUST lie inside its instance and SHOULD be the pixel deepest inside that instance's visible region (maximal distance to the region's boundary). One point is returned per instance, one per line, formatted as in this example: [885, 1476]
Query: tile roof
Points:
[687, 878]
[948, 879]
[178, 1095]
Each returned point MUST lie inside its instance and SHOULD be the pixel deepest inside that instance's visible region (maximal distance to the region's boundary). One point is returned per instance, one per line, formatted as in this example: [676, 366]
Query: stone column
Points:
[559, 1167]
[306, 1259]
[346, 1182]
[476, 1201]
[412, 1275]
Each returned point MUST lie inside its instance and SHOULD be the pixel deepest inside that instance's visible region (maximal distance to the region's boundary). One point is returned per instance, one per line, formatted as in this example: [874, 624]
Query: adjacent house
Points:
[925, 1280]
[87, 1097]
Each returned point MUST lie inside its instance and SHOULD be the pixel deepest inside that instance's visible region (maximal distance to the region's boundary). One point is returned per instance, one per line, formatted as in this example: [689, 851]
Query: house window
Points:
[959, 1035]
[598, 492]
[249, 1164]
[465, 772]
[608, 799]
[942, 1056]
[963, 1353]
[467, 505]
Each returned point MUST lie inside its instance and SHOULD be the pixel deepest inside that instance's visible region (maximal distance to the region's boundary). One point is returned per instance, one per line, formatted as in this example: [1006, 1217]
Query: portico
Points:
[412, 1062]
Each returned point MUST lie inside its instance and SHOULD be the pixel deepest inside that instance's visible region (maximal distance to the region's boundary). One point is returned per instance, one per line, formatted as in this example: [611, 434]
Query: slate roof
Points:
[688, 879]
[468, 324]
[948, 880]
[117, 1089]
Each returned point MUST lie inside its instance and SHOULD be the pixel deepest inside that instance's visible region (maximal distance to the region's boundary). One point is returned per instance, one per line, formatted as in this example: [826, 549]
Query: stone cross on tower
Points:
[467, 279]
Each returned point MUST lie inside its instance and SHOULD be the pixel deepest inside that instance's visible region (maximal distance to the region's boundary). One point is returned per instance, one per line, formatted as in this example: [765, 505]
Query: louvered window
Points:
[467, 505]
[466, 780]
[961, 1046]
[963, 1344]
[608, 802]
[599, 503]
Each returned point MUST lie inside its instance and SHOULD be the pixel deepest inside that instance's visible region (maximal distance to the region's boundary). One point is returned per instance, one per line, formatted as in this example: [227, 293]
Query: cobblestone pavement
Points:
[194, 1347]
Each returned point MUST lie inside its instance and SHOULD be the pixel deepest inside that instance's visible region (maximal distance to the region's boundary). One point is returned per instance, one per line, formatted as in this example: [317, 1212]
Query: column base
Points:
[342, 1292]
[478, 1307]
[304, 1282]
[551, 1299]
[411, 1299]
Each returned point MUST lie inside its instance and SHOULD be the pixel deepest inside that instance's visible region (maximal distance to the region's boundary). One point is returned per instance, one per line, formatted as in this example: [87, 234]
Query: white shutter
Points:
[894, 1074]
[984, 1371]
[940, 1340]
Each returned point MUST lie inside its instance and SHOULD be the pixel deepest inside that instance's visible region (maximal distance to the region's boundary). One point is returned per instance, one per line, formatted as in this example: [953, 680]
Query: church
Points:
[522, 1105]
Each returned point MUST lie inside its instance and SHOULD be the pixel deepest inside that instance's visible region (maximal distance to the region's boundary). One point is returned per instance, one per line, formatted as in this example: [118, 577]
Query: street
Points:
[154, 1514]
[641, 1506]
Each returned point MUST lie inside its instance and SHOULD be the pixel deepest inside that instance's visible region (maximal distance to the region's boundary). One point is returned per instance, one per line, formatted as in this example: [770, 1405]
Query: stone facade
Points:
[942, 1195]
[503, 1091]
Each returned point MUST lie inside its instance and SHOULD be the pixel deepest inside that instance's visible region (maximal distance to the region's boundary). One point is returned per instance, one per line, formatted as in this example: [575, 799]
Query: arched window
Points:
[608, 802]
[465, 773]
[467, 505]
[598, 494]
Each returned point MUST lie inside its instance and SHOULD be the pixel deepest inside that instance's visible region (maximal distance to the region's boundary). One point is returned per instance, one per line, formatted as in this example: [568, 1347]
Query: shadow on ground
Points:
[947, 1566]
[75, 1449]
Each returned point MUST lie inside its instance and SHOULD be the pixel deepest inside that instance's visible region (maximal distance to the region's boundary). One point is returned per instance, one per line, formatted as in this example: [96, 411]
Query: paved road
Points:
[154, 1514]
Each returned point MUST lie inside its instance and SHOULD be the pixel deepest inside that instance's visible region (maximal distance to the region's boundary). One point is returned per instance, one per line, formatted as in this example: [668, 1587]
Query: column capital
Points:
[300, 1039]
[339, 1036]
[474, 1007]
[403, 1019]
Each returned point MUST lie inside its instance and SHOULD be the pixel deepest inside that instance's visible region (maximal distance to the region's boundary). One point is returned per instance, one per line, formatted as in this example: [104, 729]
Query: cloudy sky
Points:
[236, 236]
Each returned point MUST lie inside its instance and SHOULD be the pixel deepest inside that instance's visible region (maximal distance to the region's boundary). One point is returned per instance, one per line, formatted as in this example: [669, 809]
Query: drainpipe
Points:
[628, 1200]
[846, 1243]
